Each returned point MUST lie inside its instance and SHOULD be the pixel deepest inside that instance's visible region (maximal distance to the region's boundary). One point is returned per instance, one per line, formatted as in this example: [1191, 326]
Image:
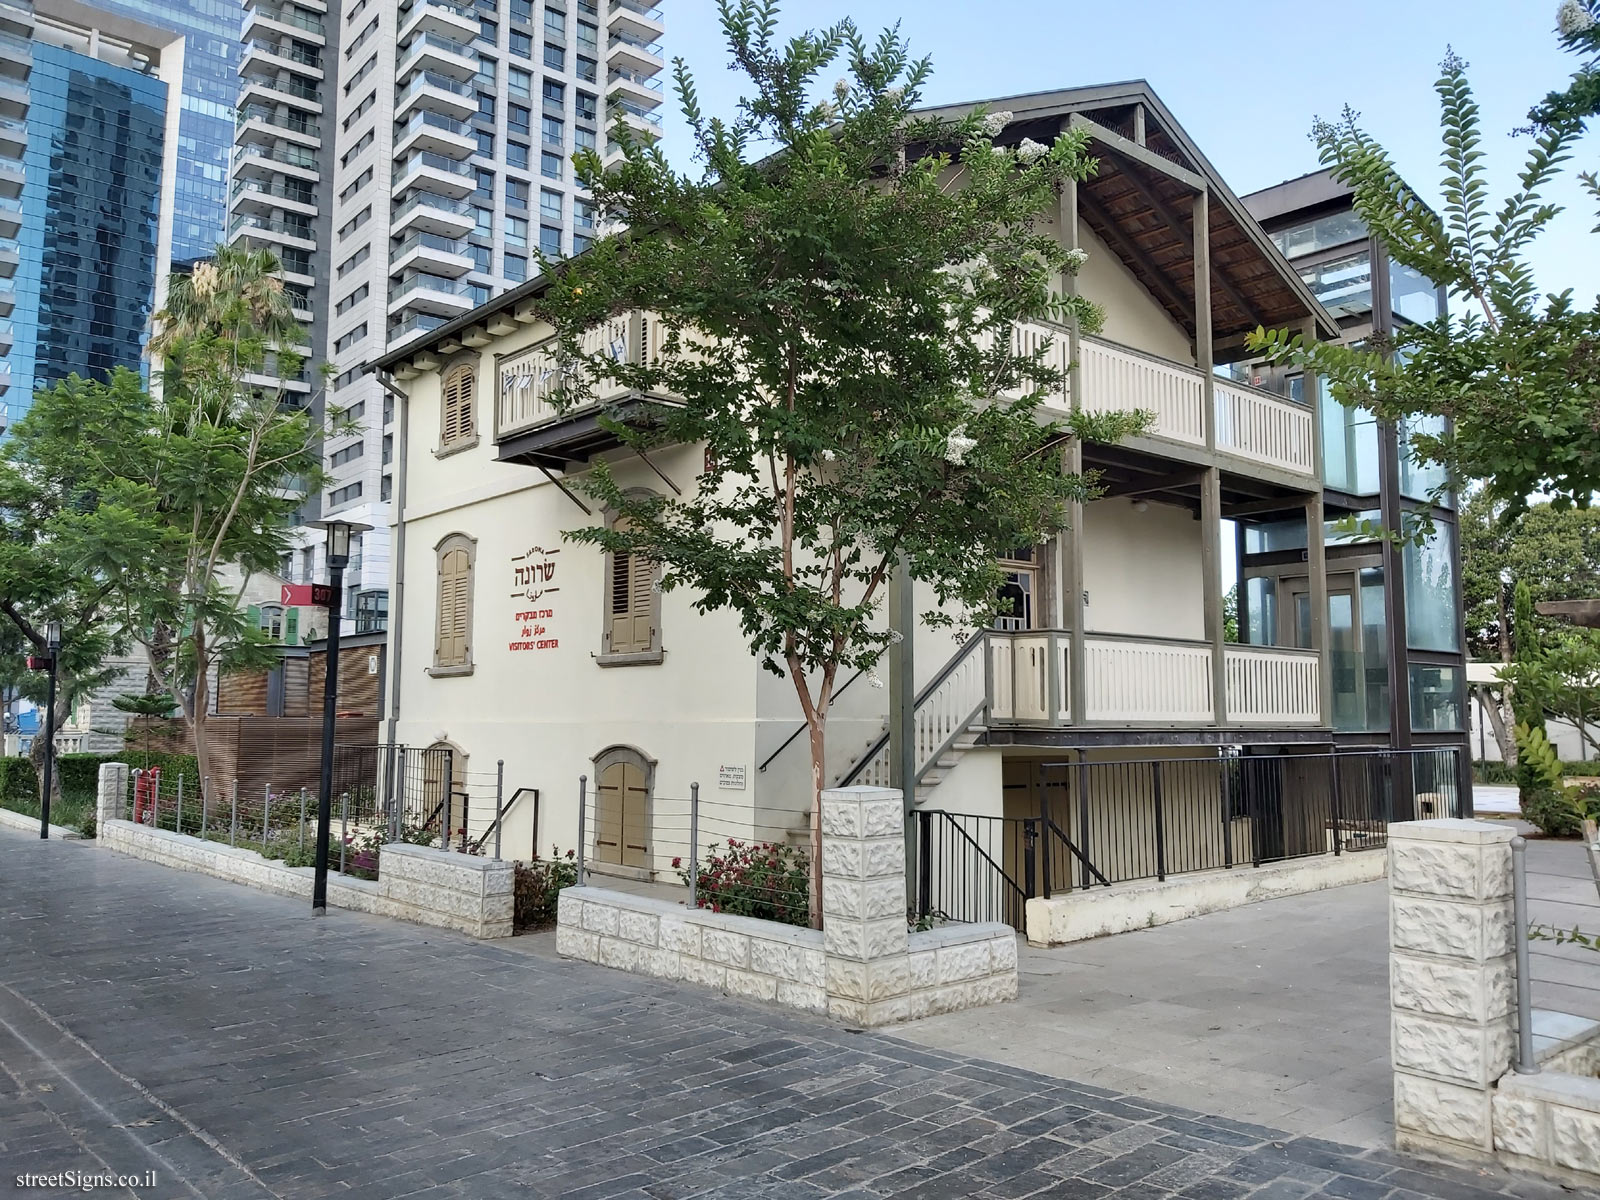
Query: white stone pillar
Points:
[864, 932]
[1452, 984]
[111, 796]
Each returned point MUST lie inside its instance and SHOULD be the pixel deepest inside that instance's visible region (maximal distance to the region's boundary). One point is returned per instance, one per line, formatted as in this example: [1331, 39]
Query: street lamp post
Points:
[338, 558]
[52, 641]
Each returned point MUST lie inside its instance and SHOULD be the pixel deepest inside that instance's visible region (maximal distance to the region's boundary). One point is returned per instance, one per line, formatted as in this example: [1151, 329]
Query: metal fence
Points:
[1101, 823]
[730, 856]
[381, 793]
[1556, 883]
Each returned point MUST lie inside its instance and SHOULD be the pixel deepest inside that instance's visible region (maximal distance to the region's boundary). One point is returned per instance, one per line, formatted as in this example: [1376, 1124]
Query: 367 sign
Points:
[317, 595]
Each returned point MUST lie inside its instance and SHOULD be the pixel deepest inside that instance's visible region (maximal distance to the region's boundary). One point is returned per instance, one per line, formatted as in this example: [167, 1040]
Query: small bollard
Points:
[266, 815]
[155, 803]
[344, 826]
[499, 803]
[233, 821]
[583, 803]
[302, 820]
[180, 801]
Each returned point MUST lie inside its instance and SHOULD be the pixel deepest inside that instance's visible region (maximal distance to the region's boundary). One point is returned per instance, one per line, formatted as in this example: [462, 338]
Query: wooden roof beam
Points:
[1123, 245]
[1164, 210]
[1149, 487]
[1129, 149]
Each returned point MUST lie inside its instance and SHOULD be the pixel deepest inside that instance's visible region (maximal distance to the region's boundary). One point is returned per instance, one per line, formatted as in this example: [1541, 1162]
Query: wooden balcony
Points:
[1147, 682]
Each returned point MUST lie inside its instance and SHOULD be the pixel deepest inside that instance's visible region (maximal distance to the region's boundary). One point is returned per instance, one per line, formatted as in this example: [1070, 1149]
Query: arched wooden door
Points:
[622, 817]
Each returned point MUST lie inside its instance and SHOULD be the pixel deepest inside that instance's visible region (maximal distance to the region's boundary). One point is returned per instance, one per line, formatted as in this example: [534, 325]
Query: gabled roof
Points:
[1139, 202]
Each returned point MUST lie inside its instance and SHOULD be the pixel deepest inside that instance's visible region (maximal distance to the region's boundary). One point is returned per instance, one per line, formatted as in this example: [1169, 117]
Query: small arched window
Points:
[458, 424]
[452, 643]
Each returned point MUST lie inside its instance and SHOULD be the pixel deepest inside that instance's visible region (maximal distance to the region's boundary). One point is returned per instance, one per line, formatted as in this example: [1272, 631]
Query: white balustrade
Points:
[1264, 428]
[1139, 681]
[527, 380]
[1268, 685]
[1114, 379]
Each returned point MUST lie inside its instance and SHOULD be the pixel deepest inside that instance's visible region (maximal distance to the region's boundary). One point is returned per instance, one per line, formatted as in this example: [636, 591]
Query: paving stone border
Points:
[863, 967]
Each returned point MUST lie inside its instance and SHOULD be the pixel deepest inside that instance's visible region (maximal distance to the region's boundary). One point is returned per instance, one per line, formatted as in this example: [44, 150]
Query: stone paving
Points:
[157, 1021]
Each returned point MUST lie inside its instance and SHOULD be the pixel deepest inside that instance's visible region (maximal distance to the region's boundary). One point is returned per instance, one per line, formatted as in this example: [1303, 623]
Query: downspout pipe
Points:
[397, 543]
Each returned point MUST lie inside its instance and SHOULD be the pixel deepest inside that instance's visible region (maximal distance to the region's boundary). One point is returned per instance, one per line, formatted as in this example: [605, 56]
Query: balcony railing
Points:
[294, 85]
[276, 191]
[291, 121]
[413, 281]
[415, 324]
[246, 221]
[528, 381]
[630, 108]
[431, 241]
[289, 156]
[618, 38]
[1267, 428]
[437, 162]
[291, 52]
[633, 6]
[1148, 681]
[284, 17]
[436, 41]
[638, 78]
[432, 120]
[439, 204]
[432, 79]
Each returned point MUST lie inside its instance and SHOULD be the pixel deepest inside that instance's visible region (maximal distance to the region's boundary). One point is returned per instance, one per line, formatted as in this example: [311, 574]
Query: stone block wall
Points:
[863, 967]
[1452, 992]
[415, 883]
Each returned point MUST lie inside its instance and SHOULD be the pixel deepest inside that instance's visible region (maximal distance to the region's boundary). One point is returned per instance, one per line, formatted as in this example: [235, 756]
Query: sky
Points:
[1245, 79]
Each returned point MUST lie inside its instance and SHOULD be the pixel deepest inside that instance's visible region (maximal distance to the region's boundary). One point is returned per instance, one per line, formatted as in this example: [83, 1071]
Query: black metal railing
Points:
[1099, 823]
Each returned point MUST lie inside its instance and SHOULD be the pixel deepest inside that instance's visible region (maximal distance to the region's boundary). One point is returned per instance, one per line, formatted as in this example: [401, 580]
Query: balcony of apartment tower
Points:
[458, 22]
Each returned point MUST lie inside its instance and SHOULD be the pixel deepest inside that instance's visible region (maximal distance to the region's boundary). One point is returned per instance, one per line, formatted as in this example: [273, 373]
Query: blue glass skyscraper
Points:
[210, 30]
[90, 212]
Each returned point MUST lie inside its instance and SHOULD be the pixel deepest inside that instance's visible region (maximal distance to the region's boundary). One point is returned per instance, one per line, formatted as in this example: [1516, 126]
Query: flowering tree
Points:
[846, 273]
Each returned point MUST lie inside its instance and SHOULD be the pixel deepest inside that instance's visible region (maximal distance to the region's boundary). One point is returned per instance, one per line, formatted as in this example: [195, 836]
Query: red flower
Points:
[677, 861]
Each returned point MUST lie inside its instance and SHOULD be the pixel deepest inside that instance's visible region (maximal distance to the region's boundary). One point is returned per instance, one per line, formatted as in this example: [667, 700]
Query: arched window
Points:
[452, 642]
[631, 630]
[458, 425]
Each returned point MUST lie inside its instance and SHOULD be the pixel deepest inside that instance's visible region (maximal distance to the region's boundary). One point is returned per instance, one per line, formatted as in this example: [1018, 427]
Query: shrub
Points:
[768, 880]
[1581, 770]
[537, 888]
[88, 825]
[1484, 771]
[19, 785]
[1553, 811]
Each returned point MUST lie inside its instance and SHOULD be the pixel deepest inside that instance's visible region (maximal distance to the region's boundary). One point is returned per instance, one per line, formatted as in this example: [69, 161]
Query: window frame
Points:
[653, 654]
[449, 544]
[463, 366]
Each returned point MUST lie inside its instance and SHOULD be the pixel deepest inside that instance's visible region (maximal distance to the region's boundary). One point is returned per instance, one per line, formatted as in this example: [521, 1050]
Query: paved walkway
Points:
[1276, 1013]
[158, 1021]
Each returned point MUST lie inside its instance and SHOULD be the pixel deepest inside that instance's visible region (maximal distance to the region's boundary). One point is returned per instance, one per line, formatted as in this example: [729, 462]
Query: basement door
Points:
[622, 820]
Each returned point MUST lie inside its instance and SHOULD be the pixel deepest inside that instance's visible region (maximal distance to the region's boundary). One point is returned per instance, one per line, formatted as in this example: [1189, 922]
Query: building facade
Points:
[407, 163]
[1109, 658]
[1396, 642]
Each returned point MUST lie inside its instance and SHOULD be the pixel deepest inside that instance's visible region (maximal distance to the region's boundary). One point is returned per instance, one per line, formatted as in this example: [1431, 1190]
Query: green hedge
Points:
[1579, 770]
[19, 782]
[80, 773]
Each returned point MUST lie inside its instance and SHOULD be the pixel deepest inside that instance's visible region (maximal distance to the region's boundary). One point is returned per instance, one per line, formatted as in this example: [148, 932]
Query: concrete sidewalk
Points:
[1275, 1013]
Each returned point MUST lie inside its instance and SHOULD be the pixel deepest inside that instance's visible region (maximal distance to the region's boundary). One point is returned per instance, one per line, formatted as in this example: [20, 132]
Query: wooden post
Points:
[902, 612]
[1203, 350]
[1072, 608]
[1316, 550]
[1211, 574]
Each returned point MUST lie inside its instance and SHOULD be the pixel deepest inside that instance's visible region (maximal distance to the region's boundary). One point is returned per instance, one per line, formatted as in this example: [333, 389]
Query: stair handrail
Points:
[978, 639]
[801, 728]
[499, 819]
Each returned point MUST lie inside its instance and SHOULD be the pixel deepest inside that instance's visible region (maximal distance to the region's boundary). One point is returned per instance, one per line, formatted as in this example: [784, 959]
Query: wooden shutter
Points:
[608, 799]
[460, 388]
[291, 627]
[635, 818]
[630, 603]
[452, 636]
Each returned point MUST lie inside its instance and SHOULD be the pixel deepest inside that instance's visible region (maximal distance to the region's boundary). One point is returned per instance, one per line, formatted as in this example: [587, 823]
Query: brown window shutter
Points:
[455, 609]
[457, 422]
[641, 600]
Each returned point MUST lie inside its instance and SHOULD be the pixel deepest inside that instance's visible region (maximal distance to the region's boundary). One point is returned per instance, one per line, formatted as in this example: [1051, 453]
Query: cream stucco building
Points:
[512, 644]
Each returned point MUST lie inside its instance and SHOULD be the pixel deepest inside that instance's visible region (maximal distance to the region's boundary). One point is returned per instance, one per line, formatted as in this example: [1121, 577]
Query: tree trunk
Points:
[816, 728]
[196, 712]
[1503, 737]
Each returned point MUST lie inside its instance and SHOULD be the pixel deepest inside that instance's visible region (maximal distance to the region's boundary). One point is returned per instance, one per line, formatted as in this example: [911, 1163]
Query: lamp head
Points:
[52, 635]
[339, 533]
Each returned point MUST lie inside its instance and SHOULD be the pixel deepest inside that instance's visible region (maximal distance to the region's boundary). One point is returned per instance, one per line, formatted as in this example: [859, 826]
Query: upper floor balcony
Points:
[13, 137]
[265, 160]
[458, 21]
[431, 253]
[287, 20]
[636, 17]
[426, 130]
[434, 52]
[429, 91]
[1252, 432]
[16, 56]
[11, 177]
[10, 218]
[272, 232]
[427, 213]
[259, 122]
[7, 336]
[16, 18]
[13, 97]
[633, 53]
[272, 88]
[262, 55]
[266, 196]
[425, 292]
[427, 171]
[637, 87]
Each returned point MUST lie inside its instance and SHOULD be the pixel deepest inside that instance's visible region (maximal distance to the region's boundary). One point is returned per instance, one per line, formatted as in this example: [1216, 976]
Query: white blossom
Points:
[872, 678]
[893, 94]
[1572, 18]
[655, 587]
[995, 123]
[1076, 258]
[1029, 150]
[957, 445]
[896, 637]
[828, 456]
[825, 110]
[841, 88]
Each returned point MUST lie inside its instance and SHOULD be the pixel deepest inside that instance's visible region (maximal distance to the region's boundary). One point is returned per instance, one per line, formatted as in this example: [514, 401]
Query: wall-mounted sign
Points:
[731, 779]
[533, 579]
